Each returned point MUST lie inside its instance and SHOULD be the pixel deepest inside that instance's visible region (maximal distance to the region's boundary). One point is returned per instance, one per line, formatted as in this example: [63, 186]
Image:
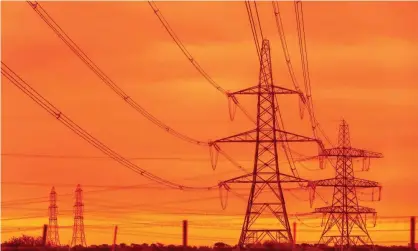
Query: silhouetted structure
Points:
[294, 234]
[79, 237]
[345, 214]
[412, 238]
[266, 196]
[44, 233]
[185, 226]
[115, 233]
[52, 232]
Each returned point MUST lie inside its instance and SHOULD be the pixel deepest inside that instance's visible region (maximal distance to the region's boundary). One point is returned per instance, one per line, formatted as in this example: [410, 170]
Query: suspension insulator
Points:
[380, 194]
[321, 162]
[366, 164]
[232, 106]
[312, 191]
[373, 194]
[214, 154]
[224, 199]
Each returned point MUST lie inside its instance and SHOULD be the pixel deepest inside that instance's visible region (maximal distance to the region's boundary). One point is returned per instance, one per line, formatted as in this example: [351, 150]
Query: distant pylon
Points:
[53, 238]
[345, 215]
[79, 237]
[266, 197]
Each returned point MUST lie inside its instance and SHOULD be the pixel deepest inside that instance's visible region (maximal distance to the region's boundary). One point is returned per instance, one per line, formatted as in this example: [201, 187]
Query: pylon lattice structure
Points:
[266, 196]
[345, 215]
[52, 233]
[79, 238]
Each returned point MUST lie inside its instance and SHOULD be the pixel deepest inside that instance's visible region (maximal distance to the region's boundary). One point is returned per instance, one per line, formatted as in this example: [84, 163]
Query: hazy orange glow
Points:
[362, 57]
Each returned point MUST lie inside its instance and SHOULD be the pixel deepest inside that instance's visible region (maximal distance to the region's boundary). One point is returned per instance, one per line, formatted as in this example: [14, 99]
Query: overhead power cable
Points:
[303, 52]
[80, 53]
[253, 26]
[83, 57]
[45, 198]
[51, 109]
[57, 156]
[191, 59]
[300, 24]
[315, 126]
[283, 41]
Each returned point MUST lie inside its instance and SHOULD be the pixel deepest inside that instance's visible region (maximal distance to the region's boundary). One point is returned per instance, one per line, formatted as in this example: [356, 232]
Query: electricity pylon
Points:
[53, 238]
[79, 237]
[345, 215]
[265, 176]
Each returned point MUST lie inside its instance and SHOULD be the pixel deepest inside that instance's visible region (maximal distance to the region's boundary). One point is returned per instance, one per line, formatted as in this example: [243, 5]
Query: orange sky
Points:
[361, 58]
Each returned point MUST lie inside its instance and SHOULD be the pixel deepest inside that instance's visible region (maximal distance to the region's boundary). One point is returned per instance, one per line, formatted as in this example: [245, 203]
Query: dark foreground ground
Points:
[134, 247]
[31, 243]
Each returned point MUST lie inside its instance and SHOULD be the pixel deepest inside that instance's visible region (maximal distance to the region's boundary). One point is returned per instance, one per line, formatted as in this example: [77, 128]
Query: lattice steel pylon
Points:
[53, 238]
[265, 176]
[79, 238]
[345, 215]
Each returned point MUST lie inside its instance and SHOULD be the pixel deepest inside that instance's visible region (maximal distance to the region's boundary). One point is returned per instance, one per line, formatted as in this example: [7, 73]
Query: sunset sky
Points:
[362, 56]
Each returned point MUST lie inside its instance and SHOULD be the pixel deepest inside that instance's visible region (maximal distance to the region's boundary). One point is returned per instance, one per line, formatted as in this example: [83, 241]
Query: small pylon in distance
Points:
[53, 234]
[79, 238]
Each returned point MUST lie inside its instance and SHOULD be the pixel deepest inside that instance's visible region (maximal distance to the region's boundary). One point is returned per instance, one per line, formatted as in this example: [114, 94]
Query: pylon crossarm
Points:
[350, 153]
[362, 183]
[246, 178]
[285, 178]
[349, 210]
[248, 136]
[265, 178]
[292, 137]
[251, 137]
[359, 183]
[265, 91]
[323, 210]
[366, 210]
[324, 183]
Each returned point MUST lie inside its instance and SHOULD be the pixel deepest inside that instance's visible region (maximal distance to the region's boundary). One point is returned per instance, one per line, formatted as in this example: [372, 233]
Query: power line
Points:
[305, 68]
[60, 156]
[51, 109]
[80, 53]
[57, 156]
[191, 59]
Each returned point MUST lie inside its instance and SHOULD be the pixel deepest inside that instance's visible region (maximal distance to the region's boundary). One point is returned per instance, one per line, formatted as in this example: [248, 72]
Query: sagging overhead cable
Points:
[51, 109]
[191, 59]
[80, 53]
[300, 24]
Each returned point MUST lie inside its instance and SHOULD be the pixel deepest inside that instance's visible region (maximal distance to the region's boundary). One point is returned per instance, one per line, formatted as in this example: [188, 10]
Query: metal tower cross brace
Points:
[53, 238]
[345, 214]
[79, 237]
[266, 196]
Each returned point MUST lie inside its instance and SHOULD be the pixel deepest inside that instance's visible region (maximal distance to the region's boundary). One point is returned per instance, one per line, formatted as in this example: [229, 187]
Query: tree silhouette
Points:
[25, 241]
[220, 245]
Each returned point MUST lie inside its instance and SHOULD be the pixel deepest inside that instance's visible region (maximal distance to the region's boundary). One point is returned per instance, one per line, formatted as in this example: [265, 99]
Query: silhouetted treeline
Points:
[28, 243]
